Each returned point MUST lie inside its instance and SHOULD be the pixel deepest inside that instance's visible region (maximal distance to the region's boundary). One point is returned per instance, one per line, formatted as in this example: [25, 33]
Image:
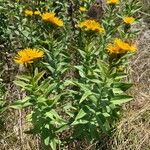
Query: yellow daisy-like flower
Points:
[28, 12]
[28, 55]
[122, 45]
[50, 17]
[133, 48]
[128, 20]
[91, 25]
[113, 2]
[83, 9]
[37, 13]
[119, 46]
[113, 49]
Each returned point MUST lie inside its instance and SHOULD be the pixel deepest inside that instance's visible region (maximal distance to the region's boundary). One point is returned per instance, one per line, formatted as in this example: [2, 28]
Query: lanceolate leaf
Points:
[85, 96]
[80, 115]
[122, 86]
[121, 99]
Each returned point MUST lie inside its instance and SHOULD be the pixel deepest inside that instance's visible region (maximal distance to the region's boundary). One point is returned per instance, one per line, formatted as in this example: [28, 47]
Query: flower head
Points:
[83, 9]
[37, 13]
[128, 20]
[28, 12]
[113, 2]
[91, 25]
[50, 17]
[113, 49]
[119, 47]
[28, 55]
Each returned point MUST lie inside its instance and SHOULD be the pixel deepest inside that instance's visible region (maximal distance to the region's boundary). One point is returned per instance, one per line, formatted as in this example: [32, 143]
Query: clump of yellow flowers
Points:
[27, 55]
[119, 47]
[31, 12]
[91, 25]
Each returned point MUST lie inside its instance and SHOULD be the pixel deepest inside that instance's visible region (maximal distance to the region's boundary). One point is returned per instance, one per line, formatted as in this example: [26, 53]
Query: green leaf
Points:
[80, 122]
[37, 77]
[21, 103]
[44, 84]
[96, 81]
[47, 141]
[93, 98]
[82, 53]
[41, 99]
[52, 114]
[123, 86]
[121, 99]
[21, 84]
[53, 144]
[83, 87]
[68, 82]
[81, 72]
[117, 91]
[119, 75]
[49, 89]
[24, 78]
[80, 114]
[103, 69]
[85, 96]
[48, 66]
[62, 128]
[106, 114]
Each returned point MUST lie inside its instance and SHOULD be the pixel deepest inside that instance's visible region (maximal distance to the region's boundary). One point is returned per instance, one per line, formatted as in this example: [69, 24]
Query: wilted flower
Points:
[91, 25]
[119, 46]
[28, 12]
[128, 20]
[28, 55]
[50, 17]
[113, 2]
[83, 9]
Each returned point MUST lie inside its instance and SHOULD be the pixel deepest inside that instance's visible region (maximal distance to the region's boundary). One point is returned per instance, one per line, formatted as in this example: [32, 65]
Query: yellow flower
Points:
[128, 20]
[119, 46]
[91, 25]
[28, 55]
[28, 12]
[37, 13]
[50, 17]
[122, 45]
[113, 2]
[83, 9]
[133, 48]
[113, 49]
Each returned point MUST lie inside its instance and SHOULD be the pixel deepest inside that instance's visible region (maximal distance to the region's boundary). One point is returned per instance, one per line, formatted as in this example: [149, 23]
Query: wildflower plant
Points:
[76, 86]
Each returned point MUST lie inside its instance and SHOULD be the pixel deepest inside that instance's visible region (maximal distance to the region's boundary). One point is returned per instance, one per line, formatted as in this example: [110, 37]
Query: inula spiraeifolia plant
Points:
[75, 66]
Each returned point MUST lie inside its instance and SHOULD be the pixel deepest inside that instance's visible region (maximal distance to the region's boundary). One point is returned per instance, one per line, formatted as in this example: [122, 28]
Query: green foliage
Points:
[78, 86]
